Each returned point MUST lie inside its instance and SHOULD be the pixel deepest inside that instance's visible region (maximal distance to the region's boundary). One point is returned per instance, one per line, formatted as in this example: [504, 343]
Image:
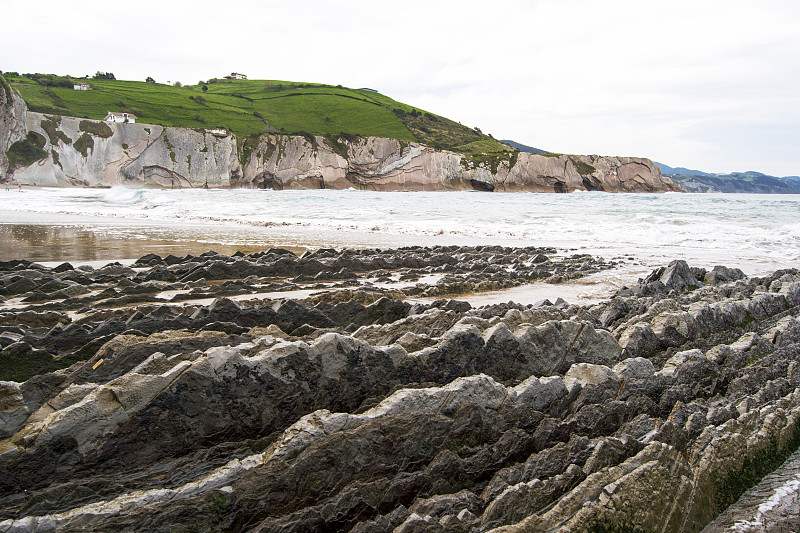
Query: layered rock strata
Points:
[285, 162]
[354, 410]
[86, 153]
[12, 122]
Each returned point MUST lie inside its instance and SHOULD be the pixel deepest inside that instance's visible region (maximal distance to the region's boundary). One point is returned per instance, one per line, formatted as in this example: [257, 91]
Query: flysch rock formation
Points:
[90, 153]
[355, 410]
[287, 162]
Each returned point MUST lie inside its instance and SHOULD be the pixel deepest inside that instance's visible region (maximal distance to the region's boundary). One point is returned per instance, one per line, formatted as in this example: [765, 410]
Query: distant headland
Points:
[236, 132]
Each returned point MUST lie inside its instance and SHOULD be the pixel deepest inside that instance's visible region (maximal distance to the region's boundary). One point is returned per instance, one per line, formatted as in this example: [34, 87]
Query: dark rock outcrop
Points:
[353, 410]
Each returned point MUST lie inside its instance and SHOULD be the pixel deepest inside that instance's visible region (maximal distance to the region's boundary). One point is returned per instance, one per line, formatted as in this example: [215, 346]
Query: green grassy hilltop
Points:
[254, 107]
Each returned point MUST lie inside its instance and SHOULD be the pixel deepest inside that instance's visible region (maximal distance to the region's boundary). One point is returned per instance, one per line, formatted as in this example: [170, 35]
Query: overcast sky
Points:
[709, 85]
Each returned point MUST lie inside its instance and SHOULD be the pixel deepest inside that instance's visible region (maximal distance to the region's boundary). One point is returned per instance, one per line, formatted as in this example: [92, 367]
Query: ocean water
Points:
[757, 233]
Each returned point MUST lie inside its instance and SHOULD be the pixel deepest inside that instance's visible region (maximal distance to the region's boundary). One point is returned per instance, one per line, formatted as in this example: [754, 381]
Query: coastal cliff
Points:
[12, 123]
[290, 162]
[72, 152]
[88, 153]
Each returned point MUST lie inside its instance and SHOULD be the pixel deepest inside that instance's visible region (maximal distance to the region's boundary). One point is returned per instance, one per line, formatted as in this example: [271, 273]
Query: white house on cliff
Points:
[120, 117]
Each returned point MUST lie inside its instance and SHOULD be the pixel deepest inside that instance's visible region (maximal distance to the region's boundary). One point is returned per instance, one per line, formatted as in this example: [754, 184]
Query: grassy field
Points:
[253, 107]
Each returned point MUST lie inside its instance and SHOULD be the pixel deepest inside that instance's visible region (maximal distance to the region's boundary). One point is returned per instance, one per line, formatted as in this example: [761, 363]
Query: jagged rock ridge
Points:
[428, 417]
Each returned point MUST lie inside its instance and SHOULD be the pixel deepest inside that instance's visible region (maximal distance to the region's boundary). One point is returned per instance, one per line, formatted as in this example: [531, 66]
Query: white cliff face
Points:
[567, 173]
[12, 123]
[284, 162]
[133, 154]
[181, 157]
[373, 163]
[386, 164]
[146, 155]
[293, 162]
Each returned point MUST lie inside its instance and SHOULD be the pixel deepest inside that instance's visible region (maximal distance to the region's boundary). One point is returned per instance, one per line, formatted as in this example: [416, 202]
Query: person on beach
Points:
[20, 187]
[7, 189]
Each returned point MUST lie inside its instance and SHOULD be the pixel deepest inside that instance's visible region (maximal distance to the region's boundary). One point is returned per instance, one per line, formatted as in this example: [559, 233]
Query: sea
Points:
[756, 233]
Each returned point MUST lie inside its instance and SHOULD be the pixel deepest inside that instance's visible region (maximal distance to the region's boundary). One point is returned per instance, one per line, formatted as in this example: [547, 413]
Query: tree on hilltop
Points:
[104, 75]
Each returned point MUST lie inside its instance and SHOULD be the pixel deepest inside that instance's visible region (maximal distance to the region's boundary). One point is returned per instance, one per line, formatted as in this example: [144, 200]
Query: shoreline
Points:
[44, 243]
[97, 241]
[94, 250]
[757, 235]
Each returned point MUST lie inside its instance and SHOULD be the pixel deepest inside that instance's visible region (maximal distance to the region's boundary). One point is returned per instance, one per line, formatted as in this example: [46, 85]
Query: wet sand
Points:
[46, 243]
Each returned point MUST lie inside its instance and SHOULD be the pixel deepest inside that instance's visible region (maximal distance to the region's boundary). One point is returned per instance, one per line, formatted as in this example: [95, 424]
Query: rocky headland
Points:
[71, 152]
[271, 392]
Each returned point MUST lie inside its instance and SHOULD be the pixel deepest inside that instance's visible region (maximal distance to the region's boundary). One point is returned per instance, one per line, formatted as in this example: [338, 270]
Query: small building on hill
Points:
[236, 76]
[120, 117]
[82, 87]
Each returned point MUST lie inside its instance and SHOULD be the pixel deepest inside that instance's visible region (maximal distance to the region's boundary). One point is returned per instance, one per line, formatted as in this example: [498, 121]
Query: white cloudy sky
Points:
[711, 85]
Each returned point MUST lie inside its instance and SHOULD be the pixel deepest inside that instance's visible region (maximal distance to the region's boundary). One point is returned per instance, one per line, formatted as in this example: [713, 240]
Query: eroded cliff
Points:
[12, 123]
[86, 153]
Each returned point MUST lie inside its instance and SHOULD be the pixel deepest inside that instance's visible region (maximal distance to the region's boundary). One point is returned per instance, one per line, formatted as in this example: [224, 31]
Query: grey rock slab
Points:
[634, 367]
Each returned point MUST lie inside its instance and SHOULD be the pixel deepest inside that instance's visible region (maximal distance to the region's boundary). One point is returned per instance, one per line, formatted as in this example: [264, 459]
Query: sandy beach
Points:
[45, 243]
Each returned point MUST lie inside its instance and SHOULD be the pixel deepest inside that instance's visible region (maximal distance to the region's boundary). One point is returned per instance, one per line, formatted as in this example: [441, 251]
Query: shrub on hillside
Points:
[100, 129]
[83, 144]
[51, 80]
[27, 151]
[50, 126]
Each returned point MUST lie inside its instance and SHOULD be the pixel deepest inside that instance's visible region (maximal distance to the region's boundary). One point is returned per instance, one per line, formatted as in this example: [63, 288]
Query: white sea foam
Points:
[754, 232]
